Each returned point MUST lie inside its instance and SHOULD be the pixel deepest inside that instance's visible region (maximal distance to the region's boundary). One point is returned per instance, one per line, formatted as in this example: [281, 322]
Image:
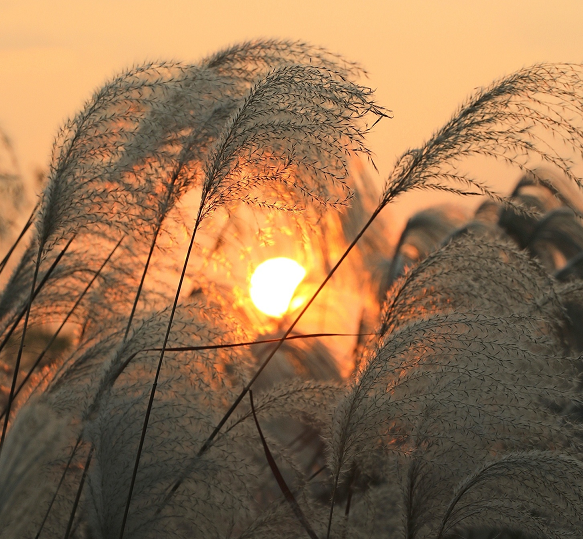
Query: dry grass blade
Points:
[290, 498]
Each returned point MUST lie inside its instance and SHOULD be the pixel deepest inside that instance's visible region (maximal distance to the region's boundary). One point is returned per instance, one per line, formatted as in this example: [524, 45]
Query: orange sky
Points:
[423, 57]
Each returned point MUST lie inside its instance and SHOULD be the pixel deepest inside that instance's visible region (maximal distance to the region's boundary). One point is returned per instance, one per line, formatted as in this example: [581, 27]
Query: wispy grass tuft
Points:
[463, 412]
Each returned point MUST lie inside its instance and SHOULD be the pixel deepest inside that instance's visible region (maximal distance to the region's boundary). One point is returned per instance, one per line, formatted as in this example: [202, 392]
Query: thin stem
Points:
[280, 341]
[167, 203]
[36, 292]
[141, 285]
[56, 334]
[250, 343]
[79, 490]
[58, 487]
[20, 350]
[20, 236]
[334, 489]
[158, 369]
[21, 347]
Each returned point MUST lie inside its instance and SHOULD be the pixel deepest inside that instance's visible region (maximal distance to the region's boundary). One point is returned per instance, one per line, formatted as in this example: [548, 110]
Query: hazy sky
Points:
[424, 57]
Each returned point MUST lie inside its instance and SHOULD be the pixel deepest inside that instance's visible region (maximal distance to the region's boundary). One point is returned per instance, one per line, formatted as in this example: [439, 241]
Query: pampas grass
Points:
[462, 415]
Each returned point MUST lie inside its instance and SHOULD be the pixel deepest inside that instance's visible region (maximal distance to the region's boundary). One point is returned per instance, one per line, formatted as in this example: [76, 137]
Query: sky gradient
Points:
[423, 57]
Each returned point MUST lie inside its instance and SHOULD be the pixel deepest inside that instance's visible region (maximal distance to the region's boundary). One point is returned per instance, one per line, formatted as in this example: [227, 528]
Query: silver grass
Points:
[557, 238]
[210, 93]
[11, 187]
[273, 150]
[538, 493]
[189, 399]
[141, 122]
[247, 60]
[80, 189]
[434, 285]
[191, 395]
[152, 146]
[273, 137]
[81, 195]
[465, 411]
[33, 449]
[457, 378]
[503, 122]
[529, 117]
[59, 288]
[83, 391]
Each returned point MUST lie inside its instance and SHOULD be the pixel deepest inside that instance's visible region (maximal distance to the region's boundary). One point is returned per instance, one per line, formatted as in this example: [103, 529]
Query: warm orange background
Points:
[423, 57]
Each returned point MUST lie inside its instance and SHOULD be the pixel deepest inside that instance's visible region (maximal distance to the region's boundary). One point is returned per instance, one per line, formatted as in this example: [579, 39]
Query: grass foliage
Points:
[165, 417]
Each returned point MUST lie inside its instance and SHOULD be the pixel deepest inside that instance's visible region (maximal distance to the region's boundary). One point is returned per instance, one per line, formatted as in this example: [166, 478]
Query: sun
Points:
[273, 285]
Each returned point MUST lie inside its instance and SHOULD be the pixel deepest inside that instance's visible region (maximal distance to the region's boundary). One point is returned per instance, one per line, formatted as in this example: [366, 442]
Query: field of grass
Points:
[424, 390]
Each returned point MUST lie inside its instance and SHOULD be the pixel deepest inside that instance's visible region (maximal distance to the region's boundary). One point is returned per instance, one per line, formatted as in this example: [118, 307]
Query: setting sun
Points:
[273, 285]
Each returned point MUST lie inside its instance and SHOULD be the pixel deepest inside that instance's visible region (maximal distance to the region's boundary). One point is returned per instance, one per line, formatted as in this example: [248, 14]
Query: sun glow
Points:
[273, 285]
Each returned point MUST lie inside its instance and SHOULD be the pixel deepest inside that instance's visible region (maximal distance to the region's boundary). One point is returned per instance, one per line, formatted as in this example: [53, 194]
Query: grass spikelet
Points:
[512, 121]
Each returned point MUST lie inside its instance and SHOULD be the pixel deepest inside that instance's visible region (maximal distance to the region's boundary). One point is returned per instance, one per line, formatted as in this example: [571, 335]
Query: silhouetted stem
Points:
[58, 487]
[217, 429]
[333, 497]
[141, 285]
[56, 334]
[251, 343]
[158, 369]
[79, 491]
[36, 292]
[280, 341]
[20, 236]
[20, 350]
[186, 152]
[21, 347]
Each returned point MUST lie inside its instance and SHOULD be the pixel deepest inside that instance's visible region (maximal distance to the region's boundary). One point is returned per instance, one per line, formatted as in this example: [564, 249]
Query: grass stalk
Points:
[21, 347]
[36, 292]
[141, 285]
[207, 444]
[58, 487]
[282, 339]
[20, 350]
[57, 332]
[79, 491]
[17, 241]
[158, 369]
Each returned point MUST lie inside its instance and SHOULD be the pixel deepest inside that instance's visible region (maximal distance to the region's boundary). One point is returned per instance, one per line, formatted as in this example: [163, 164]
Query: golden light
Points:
[273, 285]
